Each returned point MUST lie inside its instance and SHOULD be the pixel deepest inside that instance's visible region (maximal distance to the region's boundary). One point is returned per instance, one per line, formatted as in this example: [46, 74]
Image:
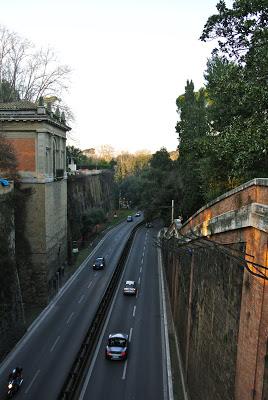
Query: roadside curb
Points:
[171, 329]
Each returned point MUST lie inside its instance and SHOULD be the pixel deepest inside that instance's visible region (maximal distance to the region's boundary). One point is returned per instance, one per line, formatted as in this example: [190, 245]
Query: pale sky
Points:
[130, 61]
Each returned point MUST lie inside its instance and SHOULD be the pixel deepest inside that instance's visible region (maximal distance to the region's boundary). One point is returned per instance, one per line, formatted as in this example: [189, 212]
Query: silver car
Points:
[117, 346]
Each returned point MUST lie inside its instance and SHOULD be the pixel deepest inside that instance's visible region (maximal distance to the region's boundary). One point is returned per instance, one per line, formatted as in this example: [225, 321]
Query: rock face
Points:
[84, 193]
[11, 307]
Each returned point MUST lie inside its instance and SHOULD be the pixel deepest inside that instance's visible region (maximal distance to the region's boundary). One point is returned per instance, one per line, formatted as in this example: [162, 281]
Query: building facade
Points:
[38, 136]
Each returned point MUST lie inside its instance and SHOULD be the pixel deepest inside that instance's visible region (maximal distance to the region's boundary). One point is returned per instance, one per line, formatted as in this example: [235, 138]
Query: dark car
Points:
[99, 263]
[117, 346]
[148, 225]
[129, 218]
[130, 287]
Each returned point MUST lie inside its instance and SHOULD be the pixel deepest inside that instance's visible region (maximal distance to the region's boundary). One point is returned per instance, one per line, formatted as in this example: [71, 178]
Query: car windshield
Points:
[117, 342]
[129, 285]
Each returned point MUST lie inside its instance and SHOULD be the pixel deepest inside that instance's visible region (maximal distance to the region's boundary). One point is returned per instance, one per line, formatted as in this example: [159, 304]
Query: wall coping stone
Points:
[252, 215]
[253, 182]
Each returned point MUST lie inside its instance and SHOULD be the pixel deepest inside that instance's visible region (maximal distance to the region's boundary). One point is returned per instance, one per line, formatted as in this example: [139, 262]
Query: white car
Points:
[130, 288]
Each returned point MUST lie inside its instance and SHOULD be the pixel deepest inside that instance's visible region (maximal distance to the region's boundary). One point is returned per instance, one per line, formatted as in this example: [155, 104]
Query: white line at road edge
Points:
[165, 346]
[83, 391]
[34, 378]
[134, 311]
[46, 311]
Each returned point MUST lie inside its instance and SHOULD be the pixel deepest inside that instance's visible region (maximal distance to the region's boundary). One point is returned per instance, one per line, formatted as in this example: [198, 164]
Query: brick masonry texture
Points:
[25, 153]
[220, 308]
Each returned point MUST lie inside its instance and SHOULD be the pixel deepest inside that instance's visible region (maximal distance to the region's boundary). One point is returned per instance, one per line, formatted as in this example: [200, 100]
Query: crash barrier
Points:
[72, 384]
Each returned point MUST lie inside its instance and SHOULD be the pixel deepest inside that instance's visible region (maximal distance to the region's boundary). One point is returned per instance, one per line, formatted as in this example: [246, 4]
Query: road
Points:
[48, 349]
[144, 375]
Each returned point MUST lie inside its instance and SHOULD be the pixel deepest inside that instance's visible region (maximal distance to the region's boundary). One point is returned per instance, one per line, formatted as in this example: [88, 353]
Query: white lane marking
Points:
[90, 283]
[81, 298]
[32, 381]
[165, 338]
[130, 334]
[140, 269]
[125, 371]
[70, 317]
[143, 254]
[83, 391]
[34, 326]
[42, 316]
[142, 260]
[139, 281]
[55, 343]
[95, 274]
[134, 311]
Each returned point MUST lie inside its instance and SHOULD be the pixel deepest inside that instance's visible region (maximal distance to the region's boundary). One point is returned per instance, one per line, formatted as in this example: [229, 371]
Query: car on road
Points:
[99, 263]
[130, 287]
[129, 218]
[138, 214]
[117, 346]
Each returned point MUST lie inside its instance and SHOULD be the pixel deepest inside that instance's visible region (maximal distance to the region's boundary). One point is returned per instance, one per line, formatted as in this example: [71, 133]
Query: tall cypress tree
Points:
[191, 128]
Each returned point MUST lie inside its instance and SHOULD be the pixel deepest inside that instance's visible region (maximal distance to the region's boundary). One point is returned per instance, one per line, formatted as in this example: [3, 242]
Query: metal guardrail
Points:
[72, 385]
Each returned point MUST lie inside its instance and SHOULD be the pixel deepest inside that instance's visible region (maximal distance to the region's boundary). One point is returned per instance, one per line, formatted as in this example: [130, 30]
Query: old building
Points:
[38, 136]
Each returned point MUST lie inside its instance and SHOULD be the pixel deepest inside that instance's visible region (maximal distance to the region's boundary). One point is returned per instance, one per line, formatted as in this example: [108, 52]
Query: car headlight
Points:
[10, 386]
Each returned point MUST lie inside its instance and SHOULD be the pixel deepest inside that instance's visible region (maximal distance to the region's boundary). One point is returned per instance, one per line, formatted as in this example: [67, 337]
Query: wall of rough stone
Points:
[235, 220]
[11, 307]
[41, 238]
[205, 289]
[84, 193]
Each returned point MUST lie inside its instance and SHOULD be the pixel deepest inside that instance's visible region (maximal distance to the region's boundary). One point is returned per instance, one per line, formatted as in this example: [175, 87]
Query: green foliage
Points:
[223, 129]
[154, 187]
[7, 92]
[92, 218]
[82, 161]
[191, 128]
[128, 164]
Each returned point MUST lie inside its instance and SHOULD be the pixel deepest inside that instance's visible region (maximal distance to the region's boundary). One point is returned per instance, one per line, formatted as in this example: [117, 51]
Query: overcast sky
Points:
[130, 61]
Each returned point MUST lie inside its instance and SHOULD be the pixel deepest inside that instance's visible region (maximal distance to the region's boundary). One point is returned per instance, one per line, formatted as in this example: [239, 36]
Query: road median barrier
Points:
[74, 380]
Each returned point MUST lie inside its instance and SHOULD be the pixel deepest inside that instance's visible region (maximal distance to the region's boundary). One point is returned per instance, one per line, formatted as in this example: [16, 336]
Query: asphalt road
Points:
[48, 349]
[144, 375]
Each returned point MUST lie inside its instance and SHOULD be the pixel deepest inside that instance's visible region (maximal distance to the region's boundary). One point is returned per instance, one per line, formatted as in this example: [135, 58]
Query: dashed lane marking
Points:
[32, 381]
[81, 299]
[125, 371]
[70, 317]
[55, 344]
